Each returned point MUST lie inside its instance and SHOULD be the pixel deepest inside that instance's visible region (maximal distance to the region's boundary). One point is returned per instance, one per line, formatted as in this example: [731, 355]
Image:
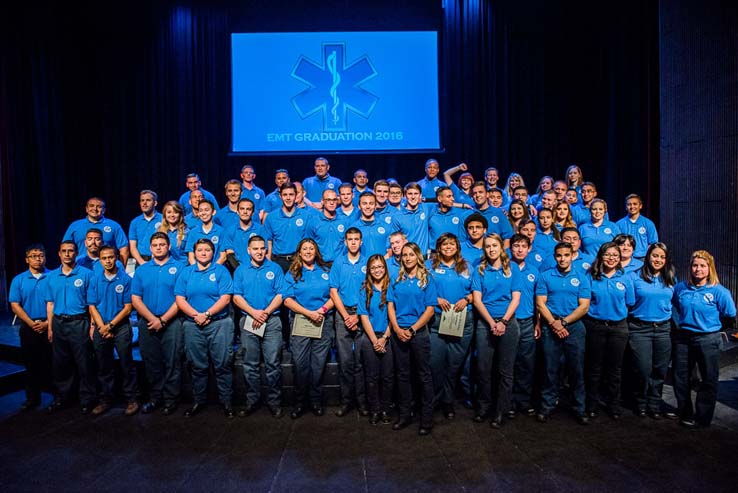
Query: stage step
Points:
[11, 377]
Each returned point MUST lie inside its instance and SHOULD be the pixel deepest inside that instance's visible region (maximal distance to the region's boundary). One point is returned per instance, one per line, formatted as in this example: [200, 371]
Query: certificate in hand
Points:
[303, 326]
[452, 323]
[248, 326]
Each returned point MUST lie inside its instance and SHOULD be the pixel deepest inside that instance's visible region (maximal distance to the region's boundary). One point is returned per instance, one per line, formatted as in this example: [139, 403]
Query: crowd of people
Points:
[427, 292]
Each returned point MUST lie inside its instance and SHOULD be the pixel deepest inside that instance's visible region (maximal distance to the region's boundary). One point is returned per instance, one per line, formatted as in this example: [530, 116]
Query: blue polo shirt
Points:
[699, 308]
[217, 235]
[154, 284]
[29, 292]
[651, 300]
[415, 224]
[377, 314]
[564, 290]
[460, 196]
[393, 267]
[192, 221]
[544, 243]
[177, 251]
[228, 218]
[529, 275]
[69, 292]
[328, 234]
[451, 221]
[643, 230]
[538, 258]
[497, 222]
[110, 295]
[258, 285]
[497, 288]
[273, 201]
[374, 235]
[611, 297]
[411, 299]
[255, 195]
[112, 233]
[429, 187]
[583, 262]
[312, 291]
[349, 218]
[633, 266]
[284, 231]
[202, 288]
[238, 239]
[184, 200]
[450, 285]
[141, 230]
[347, 277]
[594, 236]
[314, 186]
[471, 254]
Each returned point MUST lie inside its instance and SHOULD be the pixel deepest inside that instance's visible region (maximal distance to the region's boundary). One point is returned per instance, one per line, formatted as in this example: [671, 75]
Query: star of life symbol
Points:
[335, 87]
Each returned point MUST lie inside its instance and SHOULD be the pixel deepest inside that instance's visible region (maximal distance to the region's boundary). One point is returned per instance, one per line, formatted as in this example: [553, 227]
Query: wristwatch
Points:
[411, 330]
[564, 323]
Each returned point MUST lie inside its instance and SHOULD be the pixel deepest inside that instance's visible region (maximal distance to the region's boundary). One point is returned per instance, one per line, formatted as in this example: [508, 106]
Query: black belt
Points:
[635, 320]
[608, 323]
[69, 318]
[351, 309]
[213, 318]
[285, 257]
[146, 257]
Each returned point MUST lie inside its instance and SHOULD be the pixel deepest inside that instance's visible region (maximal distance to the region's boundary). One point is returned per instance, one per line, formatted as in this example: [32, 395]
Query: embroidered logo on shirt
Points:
[78, 283]
[107, 229]
[324, 275]
[331, 186]
[388, 219]
[422, 215]
[340, 228]
[257, 196]
[642, 230]
[157, 225]
[215, 240]
[607, 231]
[270, 275]
[620, 286]
[455, 220]
[586, 265]
[441, 271]
[574, 282]
[495, 219]
[212, 277]
[538, 257]
[363, 269]
[531, 277]
[172, 270]
[380, 230]
[119, 288]
[708, 297]
[299, 222]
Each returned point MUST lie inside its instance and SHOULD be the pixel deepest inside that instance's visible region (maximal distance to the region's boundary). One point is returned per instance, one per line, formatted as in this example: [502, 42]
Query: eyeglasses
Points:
[611, 255]
[376, 268]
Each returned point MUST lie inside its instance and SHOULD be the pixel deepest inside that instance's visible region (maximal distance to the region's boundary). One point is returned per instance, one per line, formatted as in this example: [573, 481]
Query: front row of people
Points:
[407, 320]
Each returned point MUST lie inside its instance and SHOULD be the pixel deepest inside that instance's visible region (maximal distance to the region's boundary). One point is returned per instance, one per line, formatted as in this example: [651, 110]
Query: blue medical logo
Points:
[334, 87]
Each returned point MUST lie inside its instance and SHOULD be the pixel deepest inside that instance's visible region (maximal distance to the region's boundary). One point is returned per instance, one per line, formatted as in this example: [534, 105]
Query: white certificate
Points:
[248, 326]
[303, 326]
[452, 323]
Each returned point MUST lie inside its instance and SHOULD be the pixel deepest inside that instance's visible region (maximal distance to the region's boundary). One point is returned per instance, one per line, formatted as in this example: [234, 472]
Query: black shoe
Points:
[341, 412]
[149, 407]
[655, 415]
[386, 419]
[28, 405]
[317, 410]
[511, 414]
[529, 411]
[690, 424]
[247, 411]
[641, 413]
[401, 423]
[228, 412]
[424, 431]
[374, 419]
[583, 419]
[87, 409]
[496, 422]
[480, 418]
[277, 412]
[363, 411]
[448, 411]
[55, 406]
[672, 416]
[169, 409]
[541, 417]
[592, 414]
[616, 415]
[195, 409]
[297, 411]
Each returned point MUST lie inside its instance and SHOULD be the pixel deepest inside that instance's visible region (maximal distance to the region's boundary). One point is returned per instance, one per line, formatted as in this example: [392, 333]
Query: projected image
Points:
[343, 92]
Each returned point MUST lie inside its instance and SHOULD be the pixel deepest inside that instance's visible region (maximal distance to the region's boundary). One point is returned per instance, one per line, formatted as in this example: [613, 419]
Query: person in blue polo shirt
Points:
[249, 190]
[626, 245]
[702, 306]
[93, 242]
[562, 299]
[203, 292]
[112, 232]
[160, 333]
[327, 228]
[452, 275]
[257, 292]
[272, 202]
[530, 327]
[26, 297]
[347, 274]
[462, 191]
[475, 227]
[110, 307]
[447, 218]
[69, 323]
[411, 303]
[598, 229]
[174, 227]
[394, 258]
[430, 183]
[650, 329]
[579, 260]
[210, 231]
[307, 293]
[193, 183]
[375, 229]
[607, 330]
[496, 220]
[413, 218]
[227, 216]
[315, 185]
[547, 235]
[348, 209]
[638, 226]
[240, 234]
[496, 288]
[143, 226]
[192, 218]
[376, 347]
[285, 227]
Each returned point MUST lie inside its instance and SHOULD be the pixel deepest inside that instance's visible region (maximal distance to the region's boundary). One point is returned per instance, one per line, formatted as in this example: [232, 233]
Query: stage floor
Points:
[71, 452]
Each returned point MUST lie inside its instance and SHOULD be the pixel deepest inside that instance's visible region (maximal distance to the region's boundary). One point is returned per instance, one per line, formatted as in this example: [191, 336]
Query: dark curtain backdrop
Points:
[102, 100]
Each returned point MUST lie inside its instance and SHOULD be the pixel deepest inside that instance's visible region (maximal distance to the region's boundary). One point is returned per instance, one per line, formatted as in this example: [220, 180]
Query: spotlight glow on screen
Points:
[337, 91]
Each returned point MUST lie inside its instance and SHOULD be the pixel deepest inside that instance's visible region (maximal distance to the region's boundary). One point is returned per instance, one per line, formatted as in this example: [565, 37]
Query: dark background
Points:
[103, 100]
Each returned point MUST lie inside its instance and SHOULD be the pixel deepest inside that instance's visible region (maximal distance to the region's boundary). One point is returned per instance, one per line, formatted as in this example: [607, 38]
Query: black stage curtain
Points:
[105, 101]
